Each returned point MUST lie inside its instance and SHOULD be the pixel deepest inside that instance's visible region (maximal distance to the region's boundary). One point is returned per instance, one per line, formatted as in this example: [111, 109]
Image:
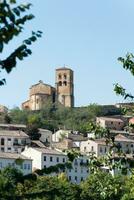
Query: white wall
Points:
[25, 167]
[35, 156]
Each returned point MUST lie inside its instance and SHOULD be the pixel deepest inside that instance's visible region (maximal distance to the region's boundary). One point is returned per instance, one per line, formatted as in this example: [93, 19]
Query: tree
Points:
[7, 119]
[128, 64]
[9, 177]
[102, 186]
[33, 131]
[12, 21]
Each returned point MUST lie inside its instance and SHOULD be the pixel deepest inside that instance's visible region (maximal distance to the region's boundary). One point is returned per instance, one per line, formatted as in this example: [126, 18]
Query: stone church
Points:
[63, 92]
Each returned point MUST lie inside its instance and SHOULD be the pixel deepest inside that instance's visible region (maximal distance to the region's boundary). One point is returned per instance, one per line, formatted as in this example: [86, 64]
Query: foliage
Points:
[102, 186]
[33, 131]
[60, 117]
[128, 64]
[7, 119]
[12, 21]
[9, 177]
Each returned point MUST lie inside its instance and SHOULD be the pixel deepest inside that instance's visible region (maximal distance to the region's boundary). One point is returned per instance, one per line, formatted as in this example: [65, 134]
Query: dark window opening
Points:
[65, 83]
[65, 76]
[59, 76]
[60, 83]
[2, 141]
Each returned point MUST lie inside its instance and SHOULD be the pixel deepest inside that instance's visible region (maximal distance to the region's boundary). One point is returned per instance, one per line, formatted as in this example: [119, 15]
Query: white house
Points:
[13, 141]
[44, 157]
[80, 169]
[46, 136]
[16, 160]
[100, 148]
[60, 134]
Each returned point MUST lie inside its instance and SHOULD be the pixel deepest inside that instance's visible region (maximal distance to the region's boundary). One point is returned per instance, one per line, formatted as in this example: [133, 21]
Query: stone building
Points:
[42, 93]
[39, 94]
[64, 86]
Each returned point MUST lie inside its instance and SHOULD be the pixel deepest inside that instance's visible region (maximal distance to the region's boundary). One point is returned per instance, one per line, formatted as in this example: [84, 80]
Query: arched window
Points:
[65, 83]
[59, 76]
[65, 76]
[60, 83]
[2, 141]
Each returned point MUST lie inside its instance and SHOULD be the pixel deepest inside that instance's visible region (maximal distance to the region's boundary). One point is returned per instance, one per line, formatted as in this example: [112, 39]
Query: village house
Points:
[13, 141]
[45, 157]
[17, 161]
[100, 148]
[110, 123]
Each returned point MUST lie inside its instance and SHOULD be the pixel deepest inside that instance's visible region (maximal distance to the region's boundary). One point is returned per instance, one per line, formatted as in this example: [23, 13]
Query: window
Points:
[45, 158]
[100, 149]
[9, 149]
[44, 166]
[9, 139]
[131, 145]
[75, 178]
[65, 76]
[0, 164]
[60, 83]
[2, 149]
[57, 159]
[25, 166]
[2, 141]
[69, 178]
[92, 148]
[28, 166]
[87, 161]
[105, 149]
[63, 159]
[75, 162]
[37, 101]
[59, 76]
[15, 141]
[85, 148]
[81, 161]
[51, 159]
[75, 169]
[65, 83]
[111, 122]
[81, 178]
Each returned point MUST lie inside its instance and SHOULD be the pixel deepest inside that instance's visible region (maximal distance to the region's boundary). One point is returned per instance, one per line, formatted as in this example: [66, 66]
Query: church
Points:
[63, 92]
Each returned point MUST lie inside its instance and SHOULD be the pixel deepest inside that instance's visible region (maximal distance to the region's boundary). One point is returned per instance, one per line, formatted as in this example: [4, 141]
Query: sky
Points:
[85, 35]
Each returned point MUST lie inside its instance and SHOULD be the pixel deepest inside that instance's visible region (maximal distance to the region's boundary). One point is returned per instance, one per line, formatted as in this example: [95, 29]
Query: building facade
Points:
[100, 148]
[17, 161]
[111, 123]
[44, 158]
[40, 94]
[13, 141]
[65, 87]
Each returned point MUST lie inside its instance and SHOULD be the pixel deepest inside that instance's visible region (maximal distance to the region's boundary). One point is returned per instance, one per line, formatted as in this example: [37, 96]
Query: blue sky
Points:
[88, 36]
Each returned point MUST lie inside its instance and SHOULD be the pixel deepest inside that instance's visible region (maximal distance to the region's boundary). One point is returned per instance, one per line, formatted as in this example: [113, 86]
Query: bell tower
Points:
[65, 86]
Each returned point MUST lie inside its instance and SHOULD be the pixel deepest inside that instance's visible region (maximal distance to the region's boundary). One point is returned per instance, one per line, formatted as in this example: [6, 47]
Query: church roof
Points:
[41, 82]
[64, 68]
